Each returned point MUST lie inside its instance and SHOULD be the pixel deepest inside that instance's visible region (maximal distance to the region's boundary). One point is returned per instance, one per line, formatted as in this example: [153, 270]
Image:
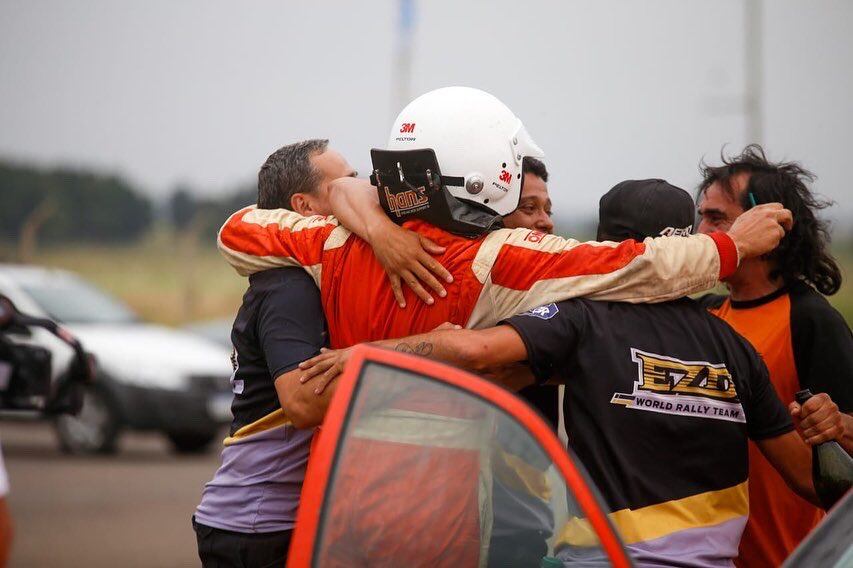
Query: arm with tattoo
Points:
[474, 350]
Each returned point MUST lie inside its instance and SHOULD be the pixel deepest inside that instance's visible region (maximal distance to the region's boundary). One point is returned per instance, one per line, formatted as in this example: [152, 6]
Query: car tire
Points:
[191, 442]
[95, 429]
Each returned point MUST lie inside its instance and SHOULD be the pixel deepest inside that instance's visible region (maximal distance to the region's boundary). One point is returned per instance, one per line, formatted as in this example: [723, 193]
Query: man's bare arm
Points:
[405, 255]
[355, 204]
[301, 404]
[793, 460]
[480, 351]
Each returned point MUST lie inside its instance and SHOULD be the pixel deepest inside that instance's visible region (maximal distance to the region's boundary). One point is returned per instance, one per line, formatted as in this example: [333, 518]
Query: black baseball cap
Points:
[636, 209]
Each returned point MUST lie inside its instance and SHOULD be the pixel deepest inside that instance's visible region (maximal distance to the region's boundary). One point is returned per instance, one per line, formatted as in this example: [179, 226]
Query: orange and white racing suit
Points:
[501, 274]
[496, 276]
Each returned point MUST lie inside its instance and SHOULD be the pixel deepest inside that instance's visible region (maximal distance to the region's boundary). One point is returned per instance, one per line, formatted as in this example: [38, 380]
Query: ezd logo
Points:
[687, 388]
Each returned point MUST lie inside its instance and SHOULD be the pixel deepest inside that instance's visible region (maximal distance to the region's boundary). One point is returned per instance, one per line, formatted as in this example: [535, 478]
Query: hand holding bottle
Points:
[832, 467]
[818, 419]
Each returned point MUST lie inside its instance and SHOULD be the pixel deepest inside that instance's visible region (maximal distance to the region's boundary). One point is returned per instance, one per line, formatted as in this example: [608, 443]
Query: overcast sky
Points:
[200, 92]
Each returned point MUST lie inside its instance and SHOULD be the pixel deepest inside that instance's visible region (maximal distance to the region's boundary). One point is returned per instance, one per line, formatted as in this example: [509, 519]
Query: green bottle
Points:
[550, 562]
[832, 467]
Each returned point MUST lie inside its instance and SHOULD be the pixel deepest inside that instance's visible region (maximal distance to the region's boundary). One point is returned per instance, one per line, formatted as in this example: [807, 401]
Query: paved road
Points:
[131, 509]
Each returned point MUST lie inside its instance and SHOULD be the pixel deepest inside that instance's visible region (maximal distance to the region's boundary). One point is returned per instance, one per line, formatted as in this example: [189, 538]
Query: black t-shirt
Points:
[279, 325]
[546, 400]
[660, 398]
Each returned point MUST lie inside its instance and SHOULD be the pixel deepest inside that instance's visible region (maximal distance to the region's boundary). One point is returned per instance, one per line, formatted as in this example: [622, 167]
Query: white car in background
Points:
[150, 377]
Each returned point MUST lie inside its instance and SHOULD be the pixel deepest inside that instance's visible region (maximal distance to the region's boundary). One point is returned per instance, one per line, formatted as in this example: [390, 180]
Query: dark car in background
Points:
[150, 377]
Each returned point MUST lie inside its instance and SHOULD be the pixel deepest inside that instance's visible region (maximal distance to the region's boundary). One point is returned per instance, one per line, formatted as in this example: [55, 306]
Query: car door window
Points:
[430, 474]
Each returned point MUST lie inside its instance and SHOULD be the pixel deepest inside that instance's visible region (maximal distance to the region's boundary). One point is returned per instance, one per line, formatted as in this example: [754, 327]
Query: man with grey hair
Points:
[248, 509]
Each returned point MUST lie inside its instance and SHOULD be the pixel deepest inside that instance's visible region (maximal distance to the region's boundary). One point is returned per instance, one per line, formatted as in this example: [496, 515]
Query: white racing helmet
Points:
[478, 141]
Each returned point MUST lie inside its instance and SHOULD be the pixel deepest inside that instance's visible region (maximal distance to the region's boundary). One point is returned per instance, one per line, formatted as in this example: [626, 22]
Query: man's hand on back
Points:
[759, 230]
[407, 257]
[327, 366]
[330, 363]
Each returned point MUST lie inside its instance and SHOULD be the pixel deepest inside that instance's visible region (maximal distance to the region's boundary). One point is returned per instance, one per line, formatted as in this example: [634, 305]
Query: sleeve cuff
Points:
[781, 430]
[541, 373]
[729, 257]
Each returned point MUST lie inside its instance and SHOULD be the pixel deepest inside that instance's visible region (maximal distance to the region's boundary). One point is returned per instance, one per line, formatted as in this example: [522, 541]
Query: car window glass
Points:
[70, 300]
[427, 474]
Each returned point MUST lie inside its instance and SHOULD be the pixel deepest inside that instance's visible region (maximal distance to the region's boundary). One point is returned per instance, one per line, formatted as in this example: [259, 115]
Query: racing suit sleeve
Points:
[253, 239]
[521, 269]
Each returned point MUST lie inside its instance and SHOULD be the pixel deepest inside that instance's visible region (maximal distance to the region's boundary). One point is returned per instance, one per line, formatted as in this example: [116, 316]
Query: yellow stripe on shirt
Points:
[656, 521]
[520, 476]
[272, 420]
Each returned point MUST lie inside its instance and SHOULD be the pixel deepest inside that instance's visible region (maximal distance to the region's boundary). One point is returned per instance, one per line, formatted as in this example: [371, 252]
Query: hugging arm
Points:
[485, 351]
[405, 255]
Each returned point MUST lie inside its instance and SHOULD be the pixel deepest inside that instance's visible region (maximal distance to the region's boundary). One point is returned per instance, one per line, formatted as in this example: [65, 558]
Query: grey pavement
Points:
[130, 509]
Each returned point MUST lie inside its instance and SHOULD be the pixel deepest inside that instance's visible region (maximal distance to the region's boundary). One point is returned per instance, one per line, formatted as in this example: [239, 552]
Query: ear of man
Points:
[301, 203]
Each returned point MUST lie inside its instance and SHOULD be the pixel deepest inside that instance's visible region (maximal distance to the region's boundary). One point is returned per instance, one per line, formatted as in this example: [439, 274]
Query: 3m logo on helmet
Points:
[407, 128]
[505, 177]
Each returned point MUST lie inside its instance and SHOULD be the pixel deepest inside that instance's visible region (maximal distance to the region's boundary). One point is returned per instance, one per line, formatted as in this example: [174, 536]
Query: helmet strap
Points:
[411, 186]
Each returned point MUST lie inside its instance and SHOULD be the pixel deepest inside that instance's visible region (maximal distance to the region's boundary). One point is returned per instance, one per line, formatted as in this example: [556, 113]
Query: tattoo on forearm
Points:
[424, 348]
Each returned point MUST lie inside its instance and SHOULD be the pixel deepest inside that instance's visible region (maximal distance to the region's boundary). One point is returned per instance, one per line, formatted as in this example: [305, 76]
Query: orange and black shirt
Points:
[805, 343]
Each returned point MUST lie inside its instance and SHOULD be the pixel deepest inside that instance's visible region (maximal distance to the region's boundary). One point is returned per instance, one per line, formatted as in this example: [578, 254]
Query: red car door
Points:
[422, 464]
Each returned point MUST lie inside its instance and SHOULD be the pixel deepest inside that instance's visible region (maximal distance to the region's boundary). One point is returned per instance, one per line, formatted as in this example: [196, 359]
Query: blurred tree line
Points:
[65, 205]
[186, 212]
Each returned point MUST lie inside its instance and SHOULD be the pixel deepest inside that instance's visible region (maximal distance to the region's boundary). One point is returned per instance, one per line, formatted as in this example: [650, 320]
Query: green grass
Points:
[164, 279]
[843, 300]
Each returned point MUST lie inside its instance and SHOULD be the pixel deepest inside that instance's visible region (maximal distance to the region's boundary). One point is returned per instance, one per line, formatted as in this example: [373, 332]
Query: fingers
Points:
[447, 326]
[308, 363]
[426, 276]
[431, 247]
[413, 283]
[397, 288]
[827, 430]
[817, 409]
[317, 369]
[325, 353]
[820, 420]
[436, 268]
[773, 205]
[327, 378]
[759, 230]
[433, 265]
[795, 411]
[786, 219]
[778, 213]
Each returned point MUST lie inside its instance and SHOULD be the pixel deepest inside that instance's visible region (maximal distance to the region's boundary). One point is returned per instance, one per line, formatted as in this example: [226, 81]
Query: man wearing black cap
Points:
[644, 208]
[660, 401]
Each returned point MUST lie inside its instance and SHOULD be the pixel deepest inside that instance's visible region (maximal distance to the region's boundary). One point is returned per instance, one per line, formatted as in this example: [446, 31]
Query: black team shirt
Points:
[660, 401]
[279, 325]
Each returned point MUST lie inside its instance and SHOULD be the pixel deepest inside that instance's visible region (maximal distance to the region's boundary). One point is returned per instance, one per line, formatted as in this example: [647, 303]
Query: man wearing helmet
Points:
[464, 171]
[496, 273]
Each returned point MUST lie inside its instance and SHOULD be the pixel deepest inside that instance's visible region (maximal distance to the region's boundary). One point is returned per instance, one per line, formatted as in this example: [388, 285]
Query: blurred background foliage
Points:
[160, 256]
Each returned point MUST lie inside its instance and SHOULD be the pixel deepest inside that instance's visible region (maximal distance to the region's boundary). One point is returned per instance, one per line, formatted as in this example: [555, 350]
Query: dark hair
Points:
[803, 253]
[531, 165]
[288, 171]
